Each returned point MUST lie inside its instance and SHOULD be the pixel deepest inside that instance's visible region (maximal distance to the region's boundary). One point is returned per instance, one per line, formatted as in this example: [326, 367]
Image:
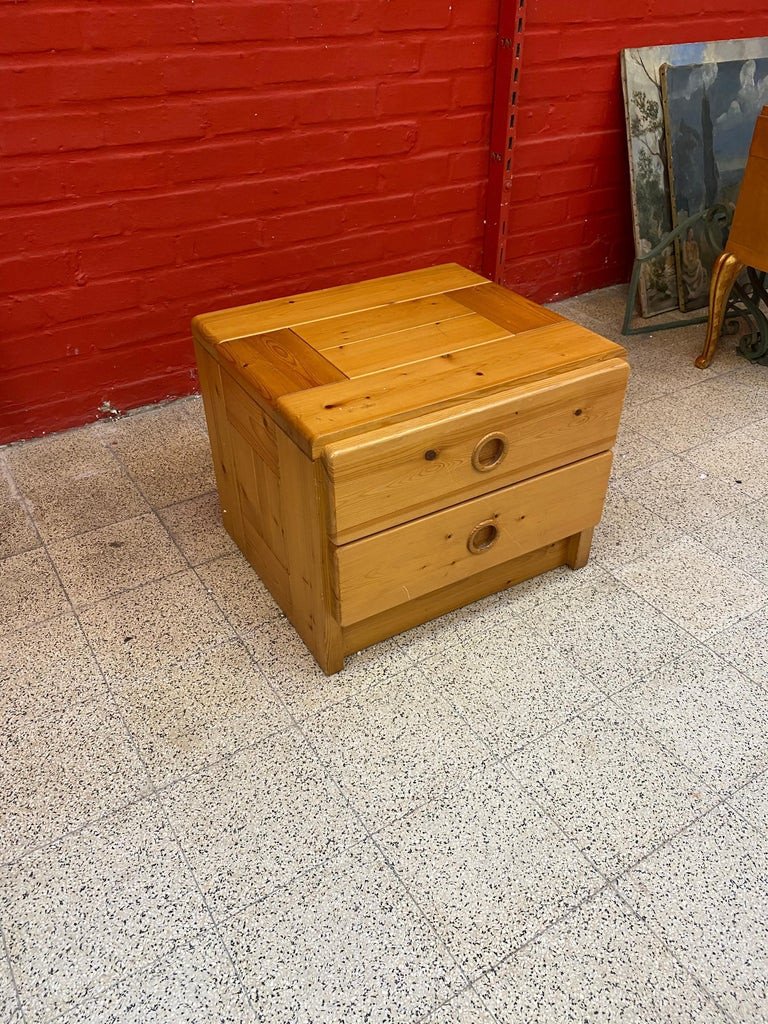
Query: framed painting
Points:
[651, 206]
[710, 112]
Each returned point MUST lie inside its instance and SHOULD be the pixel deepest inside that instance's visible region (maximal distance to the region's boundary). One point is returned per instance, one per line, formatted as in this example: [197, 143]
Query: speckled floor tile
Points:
[165, 451]
[197, 528]
[288, 665]
[682, 494]
[8, 488]
[196, 984]
[71, 455]
[695, 415]
[112, 929]
[10, 1008]
[255, 820]
[239, 592]
[459, 628]
[188, 714]
[61, 770]
[100, 904]
[628, 531]
[155, 625]
[72, 484]
[17, 533]
[745, 646]
[609, 633]
[633, 451]
[342, 945]
[742, 538]
[613, 790]
[738, 458]
[694, 587]
[597, 964]
[487, 868]
[711, 717]
[44, 669]
[465, 1008]
[511, 689]
[29, 591]
[752, 802]
[394, 746]
[96, 565]
[705, 895]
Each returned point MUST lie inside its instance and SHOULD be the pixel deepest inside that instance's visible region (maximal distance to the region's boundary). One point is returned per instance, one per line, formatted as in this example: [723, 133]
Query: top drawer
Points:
[396, 473]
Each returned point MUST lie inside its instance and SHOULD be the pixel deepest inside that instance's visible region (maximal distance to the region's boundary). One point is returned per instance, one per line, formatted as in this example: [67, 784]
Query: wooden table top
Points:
[329, 364]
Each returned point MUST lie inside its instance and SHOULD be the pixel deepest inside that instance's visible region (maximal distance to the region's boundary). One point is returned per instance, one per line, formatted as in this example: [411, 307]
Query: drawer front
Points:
[383, 571]
[398, 473]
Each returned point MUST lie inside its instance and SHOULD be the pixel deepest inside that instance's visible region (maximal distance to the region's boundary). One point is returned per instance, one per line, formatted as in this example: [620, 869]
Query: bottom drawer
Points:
[408, 561]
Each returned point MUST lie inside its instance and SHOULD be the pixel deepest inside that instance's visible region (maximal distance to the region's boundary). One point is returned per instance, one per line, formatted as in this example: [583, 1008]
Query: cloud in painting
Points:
[750, 99]
[701, 77]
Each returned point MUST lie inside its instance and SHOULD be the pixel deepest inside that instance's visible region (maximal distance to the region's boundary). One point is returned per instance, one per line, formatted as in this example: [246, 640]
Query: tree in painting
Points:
[647, 130]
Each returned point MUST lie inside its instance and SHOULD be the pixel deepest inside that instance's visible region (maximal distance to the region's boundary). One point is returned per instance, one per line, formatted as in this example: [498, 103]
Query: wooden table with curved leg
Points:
[747, 244]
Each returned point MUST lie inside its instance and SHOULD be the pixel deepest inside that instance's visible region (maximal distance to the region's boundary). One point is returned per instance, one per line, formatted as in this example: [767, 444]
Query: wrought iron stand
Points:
[745, 315]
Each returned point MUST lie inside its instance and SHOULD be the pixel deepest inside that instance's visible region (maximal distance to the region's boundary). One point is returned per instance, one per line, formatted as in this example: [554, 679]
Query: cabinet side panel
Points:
[308, 555]
[221, 447]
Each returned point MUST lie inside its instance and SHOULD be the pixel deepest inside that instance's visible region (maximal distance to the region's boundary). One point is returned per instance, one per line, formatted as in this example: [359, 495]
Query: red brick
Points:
[29, 31]
[216, 22]
[331, 18]
[450, 52]
[133, 253]
[414, 95]
[397, 15]
[325, 106]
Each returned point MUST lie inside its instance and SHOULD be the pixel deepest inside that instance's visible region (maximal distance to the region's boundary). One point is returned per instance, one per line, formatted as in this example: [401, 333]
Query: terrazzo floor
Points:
[549, 807]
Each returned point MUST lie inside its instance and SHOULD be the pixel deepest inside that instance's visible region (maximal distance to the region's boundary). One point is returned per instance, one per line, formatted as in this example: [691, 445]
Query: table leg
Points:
[724, 273]
[578, 549]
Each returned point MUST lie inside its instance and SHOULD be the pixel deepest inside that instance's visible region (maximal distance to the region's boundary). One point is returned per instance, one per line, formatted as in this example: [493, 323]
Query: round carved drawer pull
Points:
[483, 537]
[489, 452]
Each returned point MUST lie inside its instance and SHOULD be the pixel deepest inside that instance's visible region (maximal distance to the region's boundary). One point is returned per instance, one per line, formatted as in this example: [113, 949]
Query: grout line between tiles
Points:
[153, 793]
[369, 836]
[699, 984]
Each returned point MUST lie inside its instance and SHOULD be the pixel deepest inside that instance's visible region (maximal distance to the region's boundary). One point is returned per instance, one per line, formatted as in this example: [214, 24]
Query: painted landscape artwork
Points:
[710, 112]
[651, 204]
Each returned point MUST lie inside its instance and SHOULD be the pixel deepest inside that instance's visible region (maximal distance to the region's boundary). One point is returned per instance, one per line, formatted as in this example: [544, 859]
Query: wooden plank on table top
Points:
[339, 410]
[370, 323]
[260, 317]
[506, 308]
[405, 347]
[276, 364]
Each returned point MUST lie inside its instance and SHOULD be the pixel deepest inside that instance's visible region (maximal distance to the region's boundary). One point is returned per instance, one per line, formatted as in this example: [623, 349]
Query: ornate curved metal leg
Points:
[724, 273]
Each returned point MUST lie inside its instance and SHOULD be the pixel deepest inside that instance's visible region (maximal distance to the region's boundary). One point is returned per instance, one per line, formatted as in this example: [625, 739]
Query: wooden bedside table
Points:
[390, 450]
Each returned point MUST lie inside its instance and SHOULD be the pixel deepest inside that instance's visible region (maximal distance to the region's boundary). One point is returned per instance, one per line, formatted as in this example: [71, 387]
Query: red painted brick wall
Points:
[164, 157]
[570, 227]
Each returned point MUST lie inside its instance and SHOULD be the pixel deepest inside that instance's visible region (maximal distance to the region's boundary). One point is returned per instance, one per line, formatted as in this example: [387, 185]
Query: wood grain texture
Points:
[250, 420]
[261, 317]
[319, 416]
[748, 239]
[506, 308]
[388, 476]
[276, 364]
[422, 609]
[415, 443]
[409, 561]
[404, 347]
[309, 572]
[579, 547]
[214, 404]
[386, 319]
